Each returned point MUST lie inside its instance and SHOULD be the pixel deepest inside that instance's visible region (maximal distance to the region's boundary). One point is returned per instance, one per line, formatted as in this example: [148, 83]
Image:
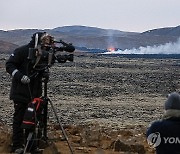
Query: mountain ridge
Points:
[172, 31]
[94, 37]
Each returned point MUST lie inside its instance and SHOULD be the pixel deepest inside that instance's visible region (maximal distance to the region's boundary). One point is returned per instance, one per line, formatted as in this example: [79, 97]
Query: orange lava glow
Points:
[111, 49]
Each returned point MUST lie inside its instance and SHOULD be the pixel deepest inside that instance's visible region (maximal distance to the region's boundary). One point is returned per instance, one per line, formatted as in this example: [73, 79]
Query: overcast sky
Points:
[124, 15]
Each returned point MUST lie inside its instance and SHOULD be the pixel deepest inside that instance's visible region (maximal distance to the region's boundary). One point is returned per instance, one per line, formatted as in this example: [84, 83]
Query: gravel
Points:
[112, 90]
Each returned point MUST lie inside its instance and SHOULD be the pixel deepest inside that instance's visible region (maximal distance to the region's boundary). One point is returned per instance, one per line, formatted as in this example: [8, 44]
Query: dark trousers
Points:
[18, 135]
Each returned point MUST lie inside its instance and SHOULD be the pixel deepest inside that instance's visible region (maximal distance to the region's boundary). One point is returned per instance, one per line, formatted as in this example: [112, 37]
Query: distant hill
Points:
[18, 37]
[169, 31]
[93, 37]
[6, 47]
[91, 31]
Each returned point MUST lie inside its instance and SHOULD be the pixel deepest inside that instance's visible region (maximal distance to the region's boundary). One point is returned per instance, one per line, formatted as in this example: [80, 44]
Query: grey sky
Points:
[125, 15]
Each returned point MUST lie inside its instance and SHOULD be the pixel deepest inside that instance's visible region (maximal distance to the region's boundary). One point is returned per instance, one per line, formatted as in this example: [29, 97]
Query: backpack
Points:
[33, 113]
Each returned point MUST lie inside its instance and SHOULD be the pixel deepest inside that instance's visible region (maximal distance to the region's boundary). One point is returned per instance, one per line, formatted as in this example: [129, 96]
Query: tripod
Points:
[40, 131]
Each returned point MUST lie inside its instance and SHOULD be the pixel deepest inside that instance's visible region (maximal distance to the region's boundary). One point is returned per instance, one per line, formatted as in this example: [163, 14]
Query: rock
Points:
[121, 146]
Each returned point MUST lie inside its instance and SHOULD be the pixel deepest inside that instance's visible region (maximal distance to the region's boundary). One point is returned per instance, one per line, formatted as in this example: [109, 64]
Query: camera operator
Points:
[163, 134]
[26, 83]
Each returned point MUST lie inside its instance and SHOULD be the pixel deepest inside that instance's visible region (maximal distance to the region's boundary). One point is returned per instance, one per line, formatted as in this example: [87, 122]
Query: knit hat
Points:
[173, 101]
[36, 38]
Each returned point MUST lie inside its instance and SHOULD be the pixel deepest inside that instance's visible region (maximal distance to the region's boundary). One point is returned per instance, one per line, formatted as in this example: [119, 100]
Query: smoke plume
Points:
[168, 48]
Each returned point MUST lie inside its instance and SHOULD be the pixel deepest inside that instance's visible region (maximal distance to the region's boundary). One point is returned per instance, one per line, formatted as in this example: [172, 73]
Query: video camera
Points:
[68, 47]
[45, 56]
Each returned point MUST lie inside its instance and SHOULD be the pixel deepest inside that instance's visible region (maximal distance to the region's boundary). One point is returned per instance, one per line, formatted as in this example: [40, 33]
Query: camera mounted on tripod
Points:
[47, 51]
[44, 51]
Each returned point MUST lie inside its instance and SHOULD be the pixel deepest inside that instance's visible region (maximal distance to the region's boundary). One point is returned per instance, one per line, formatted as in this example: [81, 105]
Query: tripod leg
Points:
[45, 118]
[28, 140]
[63, 131]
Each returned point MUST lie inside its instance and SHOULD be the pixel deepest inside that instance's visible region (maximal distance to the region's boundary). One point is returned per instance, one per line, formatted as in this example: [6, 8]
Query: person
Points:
[164, 134]
[25, 85]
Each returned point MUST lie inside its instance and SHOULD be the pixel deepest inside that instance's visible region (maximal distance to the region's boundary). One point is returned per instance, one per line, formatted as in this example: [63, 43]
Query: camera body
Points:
[45, 56]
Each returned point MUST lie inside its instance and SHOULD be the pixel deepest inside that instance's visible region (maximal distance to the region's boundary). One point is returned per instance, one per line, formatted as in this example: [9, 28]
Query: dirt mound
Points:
[5, 138]
[92, 138]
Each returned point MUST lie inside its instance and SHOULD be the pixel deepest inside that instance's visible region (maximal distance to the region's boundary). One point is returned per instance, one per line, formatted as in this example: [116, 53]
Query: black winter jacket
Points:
[169, 135]
[23, 92]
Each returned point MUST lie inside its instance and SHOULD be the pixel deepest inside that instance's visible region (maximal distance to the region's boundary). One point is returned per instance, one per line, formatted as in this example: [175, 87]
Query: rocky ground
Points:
[105, 103]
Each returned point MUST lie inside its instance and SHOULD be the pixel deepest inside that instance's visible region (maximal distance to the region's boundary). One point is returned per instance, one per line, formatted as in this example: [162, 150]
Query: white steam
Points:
[168, 48]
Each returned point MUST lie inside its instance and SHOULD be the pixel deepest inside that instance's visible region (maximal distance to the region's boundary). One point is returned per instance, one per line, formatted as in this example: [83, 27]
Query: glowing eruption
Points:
[111, 49]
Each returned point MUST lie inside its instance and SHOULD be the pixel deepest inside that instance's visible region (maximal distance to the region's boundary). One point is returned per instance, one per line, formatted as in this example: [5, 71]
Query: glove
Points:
[25, 79]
